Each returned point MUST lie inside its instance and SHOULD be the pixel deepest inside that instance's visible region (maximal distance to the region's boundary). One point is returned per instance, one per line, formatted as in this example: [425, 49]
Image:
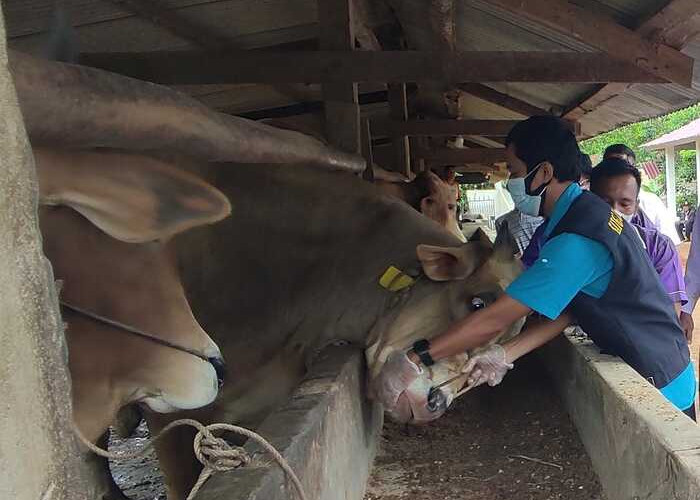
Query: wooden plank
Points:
[446, 156]
[486, 128]
[450, 127]
[198, 68]
[606, 35]
[160, 14]
[671, 25]
[340, 98]
[398, 111]
[674, 25]
[504, 100]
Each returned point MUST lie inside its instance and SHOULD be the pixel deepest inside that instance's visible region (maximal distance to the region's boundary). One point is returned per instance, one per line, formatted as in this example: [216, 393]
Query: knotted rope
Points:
[214, 453]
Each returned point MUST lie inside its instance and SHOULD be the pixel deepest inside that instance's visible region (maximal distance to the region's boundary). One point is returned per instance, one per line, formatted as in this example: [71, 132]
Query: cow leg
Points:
[176, 460]
[104, 486]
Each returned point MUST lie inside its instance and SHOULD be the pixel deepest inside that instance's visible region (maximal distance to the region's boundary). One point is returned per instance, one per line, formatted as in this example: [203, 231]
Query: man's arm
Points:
[478, 328]
[491, 365]
[536, 335]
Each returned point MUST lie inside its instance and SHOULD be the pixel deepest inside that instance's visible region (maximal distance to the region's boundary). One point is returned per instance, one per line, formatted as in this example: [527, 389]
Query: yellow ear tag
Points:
[394, 279]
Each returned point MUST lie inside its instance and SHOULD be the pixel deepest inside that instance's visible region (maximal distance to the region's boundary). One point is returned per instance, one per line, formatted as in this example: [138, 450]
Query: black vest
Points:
[634, 319]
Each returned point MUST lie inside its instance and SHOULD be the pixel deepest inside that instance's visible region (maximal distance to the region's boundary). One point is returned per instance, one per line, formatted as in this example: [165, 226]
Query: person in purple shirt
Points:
[618, 183]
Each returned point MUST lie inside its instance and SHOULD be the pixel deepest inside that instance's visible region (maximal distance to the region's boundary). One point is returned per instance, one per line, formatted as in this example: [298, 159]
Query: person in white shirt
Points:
[652, 209]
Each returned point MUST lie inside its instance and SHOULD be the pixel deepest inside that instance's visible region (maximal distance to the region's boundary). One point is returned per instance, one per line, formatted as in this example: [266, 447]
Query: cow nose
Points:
[437, 401]
[220, 368]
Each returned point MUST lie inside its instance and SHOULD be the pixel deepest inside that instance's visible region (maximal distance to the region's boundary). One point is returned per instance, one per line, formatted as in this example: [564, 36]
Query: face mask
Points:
[528, 183]
[627, 217]
[529, 205]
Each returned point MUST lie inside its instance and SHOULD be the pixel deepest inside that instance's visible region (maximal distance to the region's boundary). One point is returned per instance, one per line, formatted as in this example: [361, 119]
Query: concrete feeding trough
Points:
[641, 447]
[328, 432]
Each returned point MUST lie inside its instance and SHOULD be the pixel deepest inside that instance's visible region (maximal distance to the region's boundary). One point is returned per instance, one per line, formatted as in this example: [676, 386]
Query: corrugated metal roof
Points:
[687, 133]
[102, 26]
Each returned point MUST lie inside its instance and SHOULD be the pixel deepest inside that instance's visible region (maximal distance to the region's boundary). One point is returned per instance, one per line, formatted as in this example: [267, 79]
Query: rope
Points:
[214, 453]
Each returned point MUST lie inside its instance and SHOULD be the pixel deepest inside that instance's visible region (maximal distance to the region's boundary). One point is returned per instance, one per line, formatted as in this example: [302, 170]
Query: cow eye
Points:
[451, 207]
[429, 201]
[477, 303]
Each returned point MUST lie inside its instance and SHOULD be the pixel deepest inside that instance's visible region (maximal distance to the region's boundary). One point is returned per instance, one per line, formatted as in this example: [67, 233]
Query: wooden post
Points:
[671, 179]
[367, 152]
[398, 110]
[341, 101]
[38, 452]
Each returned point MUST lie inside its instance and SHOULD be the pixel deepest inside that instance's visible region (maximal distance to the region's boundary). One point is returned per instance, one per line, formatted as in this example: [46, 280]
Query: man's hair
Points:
[586, 165]
[613, 167]
[547, 138]
[618, 149]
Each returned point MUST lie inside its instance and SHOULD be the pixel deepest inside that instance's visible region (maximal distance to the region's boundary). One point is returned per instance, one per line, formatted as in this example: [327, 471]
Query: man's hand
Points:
[396, 375]
[489, 366]
[688, 325]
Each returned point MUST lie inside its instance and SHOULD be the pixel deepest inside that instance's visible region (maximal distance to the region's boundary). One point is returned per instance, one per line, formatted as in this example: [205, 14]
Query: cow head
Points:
[439, 202]
[106, 220]
[461, 280]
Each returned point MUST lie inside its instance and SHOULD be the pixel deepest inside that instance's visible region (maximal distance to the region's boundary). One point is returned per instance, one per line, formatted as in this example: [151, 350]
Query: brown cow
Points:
[105, 220]
[298, 267]
[430, 195]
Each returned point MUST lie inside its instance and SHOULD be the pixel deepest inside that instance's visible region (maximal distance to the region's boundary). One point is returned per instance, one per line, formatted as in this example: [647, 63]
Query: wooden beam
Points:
[161, 14]
[671, 25]
[486, 128]
[197, 68]
[398, 111]
[606, 35]
[446, 156]
[674, 25]
[341, 102]
[450, 127]
[504, 100]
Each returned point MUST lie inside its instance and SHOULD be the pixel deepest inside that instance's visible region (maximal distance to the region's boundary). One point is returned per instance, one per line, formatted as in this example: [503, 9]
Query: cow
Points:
[430, 195]
[106, 219]
[299, 267]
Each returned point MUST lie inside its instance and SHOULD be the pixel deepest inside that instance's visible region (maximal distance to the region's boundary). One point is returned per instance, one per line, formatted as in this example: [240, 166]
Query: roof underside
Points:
[104, 26]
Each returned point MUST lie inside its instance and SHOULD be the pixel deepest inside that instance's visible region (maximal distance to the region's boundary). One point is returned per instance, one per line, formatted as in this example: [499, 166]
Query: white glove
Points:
[488, 366]
[396, 375]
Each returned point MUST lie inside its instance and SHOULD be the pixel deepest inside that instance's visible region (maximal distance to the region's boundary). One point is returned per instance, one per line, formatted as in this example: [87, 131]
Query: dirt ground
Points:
[487, 447]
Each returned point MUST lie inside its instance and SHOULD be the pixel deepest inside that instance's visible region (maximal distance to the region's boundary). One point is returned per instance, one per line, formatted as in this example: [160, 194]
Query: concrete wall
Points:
[38, 453]
[327, 431]
[640, 446]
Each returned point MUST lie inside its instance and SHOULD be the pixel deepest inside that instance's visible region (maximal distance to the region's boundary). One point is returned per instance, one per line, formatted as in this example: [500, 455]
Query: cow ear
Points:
[452, 263]
[132, 198]
[480, 236]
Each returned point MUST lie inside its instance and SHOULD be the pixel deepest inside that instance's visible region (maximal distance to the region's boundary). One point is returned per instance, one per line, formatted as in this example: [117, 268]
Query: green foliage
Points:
[636, 134]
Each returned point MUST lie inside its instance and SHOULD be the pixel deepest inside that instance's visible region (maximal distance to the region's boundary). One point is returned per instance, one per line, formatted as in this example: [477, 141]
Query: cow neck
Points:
[300, 258]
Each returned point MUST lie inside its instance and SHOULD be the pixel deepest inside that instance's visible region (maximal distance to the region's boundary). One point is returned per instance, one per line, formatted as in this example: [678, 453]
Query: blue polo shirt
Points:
[567, 264]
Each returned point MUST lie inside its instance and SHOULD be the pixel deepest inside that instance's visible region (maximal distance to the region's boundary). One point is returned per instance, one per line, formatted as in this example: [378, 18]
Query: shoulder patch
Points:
[615, 222]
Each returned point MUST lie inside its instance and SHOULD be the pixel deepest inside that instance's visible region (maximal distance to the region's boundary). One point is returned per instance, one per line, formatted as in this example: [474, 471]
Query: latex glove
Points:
[688, 325]
[396, 375]
[489, 366]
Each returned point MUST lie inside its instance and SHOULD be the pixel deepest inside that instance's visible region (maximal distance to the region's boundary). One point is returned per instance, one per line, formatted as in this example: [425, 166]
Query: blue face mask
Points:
[524, 202]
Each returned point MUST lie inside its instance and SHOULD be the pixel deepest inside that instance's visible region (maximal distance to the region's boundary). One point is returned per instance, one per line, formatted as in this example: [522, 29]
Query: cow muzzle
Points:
[220, 368]
[421, 402]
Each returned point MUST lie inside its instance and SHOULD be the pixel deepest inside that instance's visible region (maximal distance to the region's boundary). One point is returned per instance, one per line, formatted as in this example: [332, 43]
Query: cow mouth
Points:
[414, 407]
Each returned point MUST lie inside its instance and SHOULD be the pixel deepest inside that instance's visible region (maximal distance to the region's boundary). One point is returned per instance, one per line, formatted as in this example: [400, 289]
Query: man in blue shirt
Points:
[592, 263]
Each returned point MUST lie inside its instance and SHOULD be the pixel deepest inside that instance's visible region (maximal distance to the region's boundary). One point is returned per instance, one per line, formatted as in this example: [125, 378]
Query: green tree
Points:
[636, 134]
